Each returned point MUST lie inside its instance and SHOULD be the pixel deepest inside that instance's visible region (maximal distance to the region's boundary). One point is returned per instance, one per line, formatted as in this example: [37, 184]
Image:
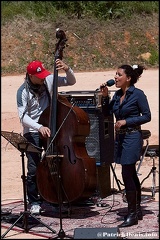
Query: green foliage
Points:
[154, 58]
[39, 9]
[100, 9]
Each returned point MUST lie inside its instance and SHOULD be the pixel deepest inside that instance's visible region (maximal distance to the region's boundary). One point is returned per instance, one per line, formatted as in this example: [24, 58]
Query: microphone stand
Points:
[61, 233]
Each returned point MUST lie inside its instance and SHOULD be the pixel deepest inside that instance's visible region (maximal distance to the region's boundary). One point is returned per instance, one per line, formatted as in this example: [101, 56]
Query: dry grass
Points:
[92, 45]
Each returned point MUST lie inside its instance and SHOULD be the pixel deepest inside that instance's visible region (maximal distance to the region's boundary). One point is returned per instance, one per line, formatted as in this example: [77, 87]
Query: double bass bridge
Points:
[52, 162]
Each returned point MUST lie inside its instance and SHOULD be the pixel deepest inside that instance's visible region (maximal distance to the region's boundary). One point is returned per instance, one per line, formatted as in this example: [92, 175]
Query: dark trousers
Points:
[130, 178]
[33, 160]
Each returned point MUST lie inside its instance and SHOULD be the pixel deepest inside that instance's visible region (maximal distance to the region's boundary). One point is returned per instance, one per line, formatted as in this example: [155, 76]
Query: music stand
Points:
[21, 143]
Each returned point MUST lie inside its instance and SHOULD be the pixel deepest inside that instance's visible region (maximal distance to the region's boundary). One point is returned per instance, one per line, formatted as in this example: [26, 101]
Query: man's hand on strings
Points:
[45, 131]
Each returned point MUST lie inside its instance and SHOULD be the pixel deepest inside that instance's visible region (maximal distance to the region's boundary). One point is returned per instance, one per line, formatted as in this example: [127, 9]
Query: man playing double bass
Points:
[33, 97]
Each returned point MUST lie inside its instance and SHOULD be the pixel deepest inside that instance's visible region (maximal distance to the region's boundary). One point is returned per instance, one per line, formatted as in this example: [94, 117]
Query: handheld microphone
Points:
[109, 83]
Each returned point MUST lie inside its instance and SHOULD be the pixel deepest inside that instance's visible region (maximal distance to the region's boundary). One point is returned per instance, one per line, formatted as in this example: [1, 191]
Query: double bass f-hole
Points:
[69, 155]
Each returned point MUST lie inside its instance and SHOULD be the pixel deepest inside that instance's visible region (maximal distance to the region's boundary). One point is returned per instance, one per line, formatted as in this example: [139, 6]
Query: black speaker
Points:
[103, 180]
[100, 145]
[97, 233]
[100, 142]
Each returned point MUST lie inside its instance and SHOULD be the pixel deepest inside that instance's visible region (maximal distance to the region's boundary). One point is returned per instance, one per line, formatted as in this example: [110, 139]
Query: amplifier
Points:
[84, 99]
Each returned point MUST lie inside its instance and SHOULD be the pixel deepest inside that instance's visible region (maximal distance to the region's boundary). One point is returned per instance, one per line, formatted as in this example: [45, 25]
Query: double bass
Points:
[66, 162]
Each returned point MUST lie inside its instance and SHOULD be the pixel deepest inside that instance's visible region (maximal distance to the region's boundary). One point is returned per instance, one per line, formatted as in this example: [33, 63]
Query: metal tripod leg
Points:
[12, 226]
[153, 179]
[153, 171]
[26, 213]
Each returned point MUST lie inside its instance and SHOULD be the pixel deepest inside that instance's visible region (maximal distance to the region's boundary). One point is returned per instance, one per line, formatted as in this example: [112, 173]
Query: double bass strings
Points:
[50, 144]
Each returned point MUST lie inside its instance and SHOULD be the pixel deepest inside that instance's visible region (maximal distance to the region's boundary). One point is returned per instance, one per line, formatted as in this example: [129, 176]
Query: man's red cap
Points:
[37, 69]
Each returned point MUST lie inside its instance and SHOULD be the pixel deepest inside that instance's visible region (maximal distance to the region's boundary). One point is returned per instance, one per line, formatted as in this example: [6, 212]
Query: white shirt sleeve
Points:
[30, 123]
[71, 80]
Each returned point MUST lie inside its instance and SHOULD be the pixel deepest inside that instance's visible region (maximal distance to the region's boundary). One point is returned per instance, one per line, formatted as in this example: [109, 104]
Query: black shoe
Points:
[130, 221]
[139, 215]
[131, 218]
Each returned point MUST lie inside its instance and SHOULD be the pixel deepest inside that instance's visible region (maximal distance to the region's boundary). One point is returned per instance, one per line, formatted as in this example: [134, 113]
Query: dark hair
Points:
[133, 72]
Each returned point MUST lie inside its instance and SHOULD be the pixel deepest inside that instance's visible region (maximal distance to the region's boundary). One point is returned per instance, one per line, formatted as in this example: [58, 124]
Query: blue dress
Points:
[135, 110]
